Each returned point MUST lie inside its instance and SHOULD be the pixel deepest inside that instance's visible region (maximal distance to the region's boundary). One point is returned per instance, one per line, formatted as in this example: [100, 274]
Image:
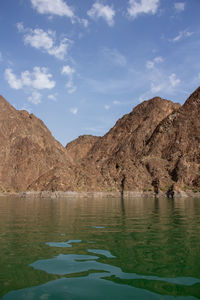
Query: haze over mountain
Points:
[158, 141]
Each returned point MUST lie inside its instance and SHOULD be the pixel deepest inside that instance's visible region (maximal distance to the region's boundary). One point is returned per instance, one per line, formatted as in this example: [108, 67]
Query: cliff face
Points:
[27, 149]
[159, 141]
[79, 148]
[176, 142]
[116, 159]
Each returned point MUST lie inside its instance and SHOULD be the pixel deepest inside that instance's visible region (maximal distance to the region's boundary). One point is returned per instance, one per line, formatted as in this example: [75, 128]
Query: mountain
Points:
[116, 158]
[154, 147]
[79, 148]
[176, 142]
[28, 150]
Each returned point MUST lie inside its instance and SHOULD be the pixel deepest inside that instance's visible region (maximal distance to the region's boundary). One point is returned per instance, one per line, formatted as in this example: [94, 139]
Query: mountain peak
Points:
[194, 99]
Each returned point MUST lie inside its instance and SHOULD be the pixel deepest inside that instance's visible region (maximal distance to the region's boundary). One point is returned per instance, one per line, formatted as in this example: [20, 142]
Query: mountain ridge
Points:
[158, 141]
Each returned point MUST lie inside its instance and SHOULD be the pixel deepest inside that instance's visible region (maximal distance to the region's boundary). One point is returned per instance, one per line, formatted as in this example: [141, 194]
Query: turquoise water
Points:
[99, 249]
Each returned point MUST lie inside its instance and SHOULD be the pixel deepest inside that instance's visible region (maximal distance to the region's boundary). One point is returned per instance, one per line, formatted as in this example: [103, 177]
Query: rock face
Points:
[27, 149]
[155, 147]
[79, 148]
[176, 142]
[116, 159]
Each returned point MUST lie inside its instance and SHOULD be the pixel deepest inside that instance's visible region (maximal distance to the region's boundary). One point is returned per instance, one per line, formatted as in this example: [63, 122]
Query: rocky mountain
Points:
[116, 159]
[176, 142]
[79, 148]
[27, 149]
[155, 147]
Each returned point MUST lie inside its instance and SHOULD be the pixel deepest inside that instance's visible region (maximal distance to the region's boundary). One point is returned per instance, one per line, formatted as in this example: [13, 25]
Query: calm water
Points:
[99, 249]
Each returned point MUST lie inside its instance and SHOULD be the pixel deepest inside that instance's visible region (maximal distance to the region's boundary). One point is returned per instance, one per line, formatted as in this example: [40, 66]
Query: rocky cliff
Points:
[156, 146]
[79, 148]
[27, 149]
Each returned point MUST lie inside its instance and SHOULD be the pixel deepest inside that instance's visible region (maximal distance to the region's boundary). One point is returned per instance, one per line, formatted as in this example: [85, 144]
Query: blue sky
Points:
[79, 65]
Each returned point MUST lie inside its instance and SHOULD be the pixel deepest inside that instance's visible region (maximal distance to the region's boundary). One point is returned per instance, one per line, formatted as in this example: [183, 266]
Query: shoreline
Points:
[73, 194]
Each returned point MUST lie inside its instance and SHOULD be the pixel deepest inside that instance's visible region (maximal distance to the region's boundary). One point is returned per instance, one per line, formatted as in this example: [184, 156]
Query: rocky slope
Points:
[115, 160]
[176, 142]
[156, 146]
[79, 148]
[27, 149]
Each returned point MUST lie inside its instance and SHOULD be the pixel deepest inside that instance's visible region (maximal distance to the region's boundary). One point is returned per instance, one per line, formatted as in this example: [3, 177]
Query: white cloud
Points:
[161, 83]
[13, 81]
[181, 35]
[71, 87]
[69, 71]
[116, 102]
[61, 50]
[20, 27]
[158, 59]
[38, 79]
[137, 7]
[106, 12]
[53, 97]
[155, 88]
[53, 7]
[35, 98]
[150, 64]
[74, 110]
[38, 38]
[45, 41]
[179, 6]
[107, 107]
[41, 79]
[115, 57]
[174, 80]
[84, 22]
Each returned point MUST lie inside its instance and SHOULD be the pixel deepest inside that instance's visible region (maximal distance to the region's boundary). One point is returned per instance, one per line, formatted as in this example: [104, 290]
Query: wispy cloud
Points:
[115, 57]
[45, 41]
[107, 107]
[116, 102]
[53, 97]
[150, 64]
[69, 72]
[138, 7]
[53, 7]
[35, 97]
[182, 35]
[39, 79]
[106, 12]
[179, 6]
[110, 86]
[174, 80]
[160, 82]
[74, 110]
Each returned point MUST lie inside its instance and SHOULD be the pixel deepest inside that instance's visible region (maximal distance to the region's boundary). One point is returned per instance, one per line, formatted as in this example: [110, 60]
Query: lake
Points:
[99, 249]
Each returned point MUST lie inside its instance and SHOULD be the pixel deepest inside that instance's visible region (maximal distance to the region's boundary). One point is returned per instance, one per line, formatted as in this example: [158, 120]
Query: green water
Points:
[99, 249]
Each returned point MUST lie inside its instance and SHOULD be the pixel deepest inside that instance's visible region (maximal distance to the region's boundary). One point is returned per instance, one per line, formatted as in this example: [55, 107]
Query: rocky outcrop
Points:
[156, 148]
[116, 159]
[27, 149]
[79, 148]
[176, 142]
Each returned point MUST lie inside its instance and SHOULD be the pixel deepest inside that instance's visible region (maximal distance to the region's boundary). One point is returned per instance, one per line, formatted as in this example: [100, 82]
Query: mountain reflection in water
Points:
[99, 248]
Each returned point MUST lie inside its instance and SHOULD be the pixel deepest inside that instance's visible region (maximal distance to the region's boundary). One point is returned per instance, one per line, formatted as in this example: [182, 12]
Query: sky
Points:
[80, 65]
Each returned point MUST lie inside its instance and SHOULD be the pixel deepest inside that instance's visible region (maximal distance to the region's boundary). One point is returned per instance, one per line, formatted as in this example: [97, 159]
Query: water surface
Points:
[99, 249]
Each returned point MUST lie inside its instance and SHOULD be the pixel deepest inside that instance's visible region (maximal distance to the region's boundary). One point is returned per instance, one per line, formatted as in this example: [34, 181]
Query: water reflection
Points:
[142, 248]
